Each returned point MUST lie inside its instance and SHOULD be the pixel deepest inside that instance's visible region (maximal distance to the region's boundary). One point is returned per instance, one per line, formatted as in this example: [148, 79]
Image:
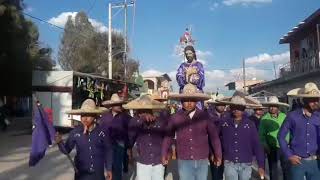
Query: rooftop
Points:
[311, 21]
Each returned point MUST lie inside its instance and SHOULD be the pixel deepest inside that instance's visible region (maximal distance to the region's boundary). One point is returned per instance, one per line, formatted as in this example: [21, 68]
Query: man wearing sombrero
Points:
[193, 128]
[147, 134]
[240, 140]
[268, 131]
[116, 122]
[303, 125]
[93, 144]
[217, 112]
[257, 114]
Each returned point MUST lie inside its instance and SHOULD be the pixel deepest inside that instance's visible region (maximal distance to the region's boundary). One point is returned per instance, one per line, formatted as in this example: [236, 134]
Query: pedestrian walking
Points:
[269, 128]
[93, 159]
[194, 129]
[147, 131]
[240, 140]
[303, 126]
[116, 121]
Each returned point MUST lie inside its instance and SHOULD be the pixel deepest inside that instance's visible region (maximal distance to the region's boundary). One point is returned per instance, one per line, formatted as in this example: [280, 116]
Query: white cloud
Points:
[213, 6]
[62, 18]
[245, 2]
[28, 9]
[267, 58]
[152, 72]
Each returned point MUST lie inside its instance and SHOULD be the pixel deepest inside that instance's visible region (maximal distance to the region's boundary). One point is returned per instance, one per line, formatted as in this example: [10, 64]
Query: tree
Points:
[84, 49]
[19, 47]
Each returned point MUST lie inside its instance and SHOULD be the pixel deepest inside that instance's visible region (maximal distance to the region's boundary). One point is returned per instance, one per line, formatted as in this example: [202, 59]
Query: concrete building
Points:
[160, 84]
[304, 43]
[239, 85]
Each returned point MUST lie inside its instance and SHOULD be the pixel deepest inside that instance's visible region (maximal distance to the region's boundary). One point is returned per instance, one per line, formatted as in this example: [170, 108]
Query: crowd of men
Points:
[222, 134]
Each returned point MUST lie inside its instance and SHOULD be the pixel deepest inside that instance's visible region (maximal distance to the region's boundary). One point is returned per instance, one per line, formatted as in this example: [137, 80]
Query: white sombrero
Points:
[88, 107]
[114, 100]
[274, 101]
[215, 98]
[144, 102]
[310, 90]
[190, 92]
[240, 99]
[156, 96]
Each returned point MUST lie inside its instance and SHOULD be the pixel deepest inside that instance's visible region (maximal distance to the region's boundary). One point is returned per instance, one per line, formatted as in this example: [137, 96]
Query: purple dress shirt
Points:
[94, 149]
[192, 136]
[304, 133]
[240, 142]
[148, 138]
[117, 126]
[255, 120]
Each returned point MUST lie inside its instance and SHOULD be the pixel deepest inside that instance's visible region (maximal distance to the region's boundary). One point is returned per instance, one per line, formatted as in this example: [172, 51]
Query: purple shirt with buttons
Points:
[148, 138]
[192, 134]
[304, 133]
[240, 141]
[117, 126]
[94, 149]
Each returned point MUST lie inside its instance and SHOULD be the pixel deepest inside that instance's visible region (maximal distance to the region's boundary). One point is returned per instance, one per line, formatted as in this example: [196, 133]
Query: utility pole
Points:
[244, 75]
[318, 38]
[110, 42]
[274, 69]
[125, 39]
[124, 5]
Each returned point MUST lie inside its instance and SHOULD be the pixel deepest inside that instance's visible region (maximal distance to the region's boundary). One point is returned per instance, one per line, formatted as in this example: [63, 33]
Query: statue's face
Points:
[189, 56]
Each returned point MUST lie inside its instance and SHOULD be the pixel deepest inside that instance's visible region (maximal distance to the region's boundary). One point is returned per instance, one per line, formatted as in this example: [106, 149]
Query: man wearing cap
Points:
[268, 131]
[303, 125]
[148, 134]
[191, 71]
[116, 122]
[93, 160]
[258, 112]
[240, 140]
[193, 128]
[217, 112]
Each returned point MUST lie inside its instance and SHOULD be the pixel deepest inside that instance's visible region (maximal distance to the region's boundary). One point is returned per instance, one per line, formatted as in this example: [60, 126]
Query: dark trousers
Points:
[308, 170]
[125, 162]
[89, 176]
[216, 171]
[274, 157]
[118, 157]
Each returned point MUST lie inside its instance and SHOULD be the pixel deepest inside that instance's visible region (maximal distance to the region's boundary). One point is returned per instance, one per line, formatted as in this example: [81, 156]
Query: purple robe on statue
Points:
[195, 79]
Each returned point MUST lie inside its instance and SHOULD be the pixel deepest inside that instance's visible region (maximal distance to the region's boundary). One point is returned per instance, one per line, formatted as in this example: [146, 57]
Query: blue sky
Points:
[226, 31]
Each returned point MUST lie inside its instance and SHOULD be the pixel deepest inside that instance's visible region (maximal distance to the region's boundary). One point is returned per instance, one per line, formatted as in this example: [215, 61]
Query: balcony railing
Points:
[299, 66]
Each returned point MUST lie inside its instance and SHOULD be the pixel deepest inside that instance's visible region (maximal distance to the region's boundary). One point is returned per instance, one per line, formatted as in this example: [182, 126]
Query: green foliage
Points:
[19, 49]
[85, 49]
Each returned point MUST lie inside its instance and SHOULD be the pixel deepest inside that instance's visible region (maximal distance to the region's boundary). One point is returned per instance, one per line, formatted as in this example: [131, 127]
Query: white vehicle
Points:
[61, 91]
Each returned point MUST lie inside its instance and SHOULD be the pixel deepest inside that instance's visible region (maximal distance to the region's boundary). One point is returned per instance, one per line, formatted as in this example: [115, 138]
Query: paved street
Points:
[14, 157]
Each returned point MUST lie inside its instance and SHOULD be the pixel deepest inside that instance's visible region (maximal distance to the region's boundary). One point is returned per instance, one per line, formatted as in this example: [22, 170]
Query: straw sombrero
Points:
[240, 99]
[114, 100]
[310, 90]
[274, 101]
[156, 96]
[144, 102]
[87, 107]
[214, 99]
[190, 92]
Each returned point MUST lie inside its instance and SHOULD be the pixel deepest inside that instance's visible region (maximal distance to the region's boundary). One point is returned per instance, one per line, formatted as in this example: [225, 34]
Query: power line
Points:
[91, 7]
[83, 34]
[41, 20]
